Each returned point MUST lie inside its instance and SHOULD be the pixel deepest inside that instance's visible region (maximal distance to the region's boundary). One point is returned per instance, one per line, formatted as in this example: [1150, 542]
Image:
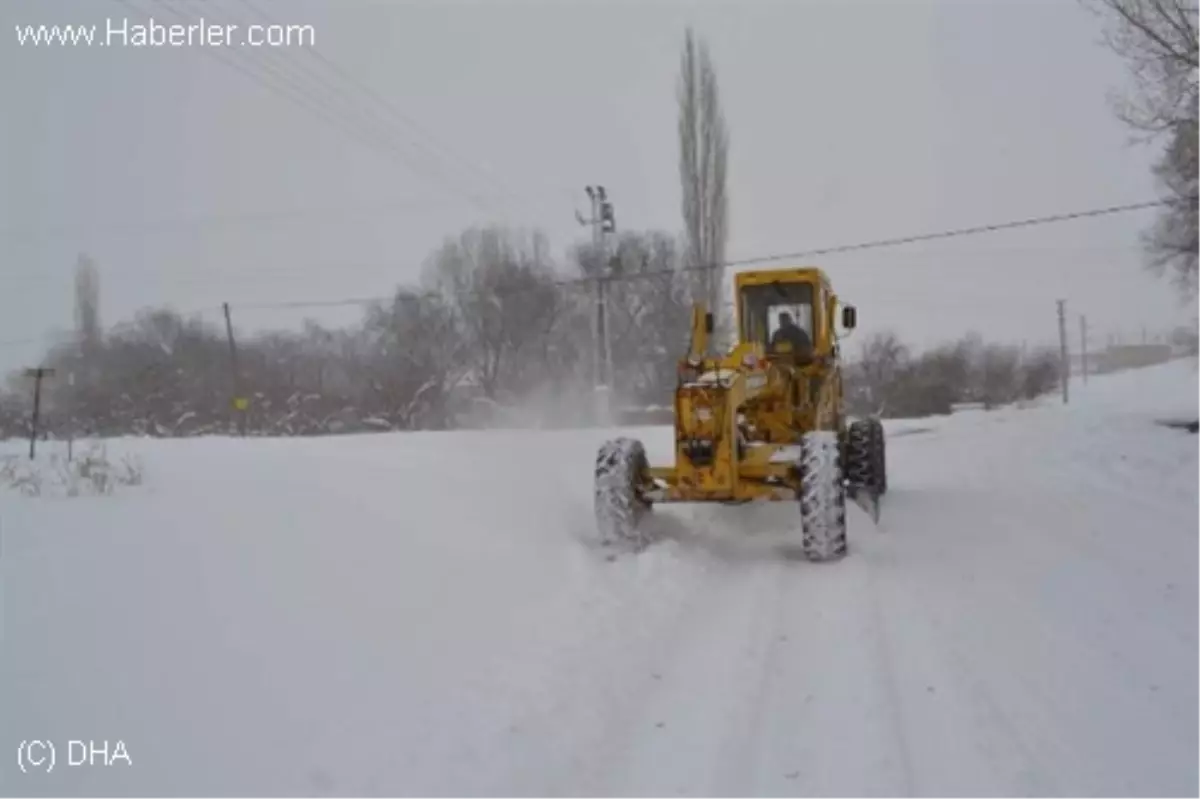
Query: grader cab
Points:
[765, 421]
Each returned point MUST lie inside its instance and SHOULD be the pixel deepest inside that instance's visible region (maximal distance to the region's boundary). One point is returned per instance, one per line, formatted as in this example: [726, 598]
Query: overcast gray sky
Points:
[191, 185]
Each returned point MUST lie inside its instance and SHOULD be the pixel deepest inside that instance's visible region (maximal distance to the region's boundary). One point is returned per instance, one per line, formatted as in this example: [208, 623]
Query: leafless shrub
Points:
[92, 473]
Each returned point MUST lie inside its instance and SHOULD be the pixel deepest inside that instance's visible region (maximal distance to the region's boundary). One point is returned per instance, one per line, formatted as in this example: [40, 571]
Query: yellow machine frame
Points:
[739, 416]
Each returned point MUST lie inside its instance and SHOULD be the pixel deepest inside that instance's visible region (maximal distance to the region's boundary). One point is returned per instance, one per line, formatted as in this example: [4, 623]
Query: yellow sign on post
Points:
[241, 403]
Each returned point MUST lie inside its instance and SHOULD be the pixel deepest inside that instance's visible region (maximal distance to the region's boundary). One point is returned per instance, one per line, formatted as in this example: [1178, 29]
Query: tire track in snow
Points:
[601, 678]
[1097, 576]
[674, 739]
[812, 704]
[741, 759]
[897, 715]
[828, 719]
[587, 692]
[932, 660]
[1069, 714]
[782, 682]
[994, 573]
[1152, 559]
[964, 741]
[1122, 620]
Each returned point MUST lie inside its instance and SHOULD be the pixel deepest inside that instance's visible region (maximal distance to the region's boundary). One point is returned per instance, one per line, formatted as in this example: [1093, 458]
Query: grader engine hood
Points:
[707, 410]
[749, 382]
[702, 402]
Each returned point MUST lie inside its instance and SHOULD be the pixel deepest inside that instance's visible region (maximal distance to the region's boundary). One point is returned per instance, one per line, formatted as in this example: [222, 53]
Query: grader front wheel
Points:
[822, 497]
[619, 506]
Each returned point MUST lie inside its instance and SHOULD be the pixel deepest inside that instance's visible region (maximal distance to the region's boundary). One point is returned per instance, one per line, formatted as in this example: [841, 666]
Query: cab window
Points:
[763, 304]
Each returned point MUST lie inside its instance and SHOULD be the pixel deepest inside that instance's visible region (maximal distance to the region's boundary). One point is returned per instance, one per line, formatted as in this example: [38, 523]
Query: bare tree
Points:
[1158, 41]
[889, 380]
[1171, 243]
[703, 152]
[502, 290]
[1041, 373]
[649, 314]
[87, 302]
[415, 360]
[1000, 379]
[882, 358]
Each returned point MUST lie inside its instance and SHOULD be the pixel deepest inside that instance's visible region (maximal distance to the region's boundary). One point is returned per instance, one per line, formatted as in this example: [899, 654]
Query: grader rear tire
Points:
[878, 451]
[866, 460]
[822, 497]
[618, 504]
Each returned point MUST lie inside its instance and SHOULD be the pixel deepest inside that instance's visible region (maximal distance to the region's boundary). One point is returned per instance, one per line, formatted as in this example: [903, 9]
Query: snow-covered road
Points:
[416, 615]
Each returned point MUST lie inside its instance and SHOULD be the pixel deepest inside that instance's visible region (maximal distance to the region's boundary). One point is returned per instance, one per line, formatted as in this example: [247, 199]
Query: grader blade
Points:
[867, 499]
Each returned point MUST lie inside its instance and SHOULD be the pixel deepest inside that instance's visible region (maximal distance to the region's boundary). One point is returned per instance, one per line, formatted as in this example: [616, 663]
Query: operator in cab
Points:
[793, 338]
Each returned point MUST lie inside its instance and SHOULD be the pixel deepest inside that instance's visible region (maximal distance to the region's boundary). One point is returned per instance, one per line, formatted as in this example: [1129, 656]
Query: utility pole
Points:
[602, 222]
[1083, 352]
[74, 417]
[37, 374]
[1062, 340]
[239, 402]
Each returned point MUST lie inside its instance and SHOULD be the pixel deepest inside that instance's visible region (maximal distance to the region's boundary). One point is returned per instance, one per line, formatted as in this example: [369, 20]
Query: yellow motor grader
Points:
[764, 422]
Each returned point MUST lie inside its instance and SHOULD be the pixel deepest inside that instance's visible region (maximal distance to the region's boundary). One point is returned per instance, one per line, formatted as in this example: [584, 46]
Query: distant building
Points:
[1129, 356]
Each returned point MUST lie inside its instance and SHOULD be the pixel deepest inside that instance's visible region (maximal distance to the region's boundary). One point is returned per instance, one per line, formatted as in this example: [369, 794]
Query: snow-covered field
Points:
[415, 614]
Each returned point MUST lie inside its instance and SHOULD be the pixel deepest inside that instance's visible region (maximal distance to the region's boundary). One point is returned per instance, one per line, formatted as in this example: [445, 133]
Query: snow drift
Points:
[416, 614]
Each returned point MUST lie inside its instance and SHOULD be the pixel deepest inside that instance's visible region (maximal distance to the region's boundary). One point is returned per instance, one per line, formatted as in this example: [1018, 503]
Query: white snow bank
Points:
[394, 613]
[88, 470]
[414, 614]
[1169, 390]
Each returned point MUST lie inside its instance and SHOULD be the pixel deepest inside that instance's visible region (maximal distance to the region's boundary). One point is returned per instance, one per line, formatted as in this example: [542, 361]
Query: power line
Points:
[864, 245]
[269, 79]
[433, 143]
[21, 342]
[945, 234]
[344, 303]
[372, 129]
[1032, 258]
[300, 70]
[872, 244]
[288, 86]
[307, 216]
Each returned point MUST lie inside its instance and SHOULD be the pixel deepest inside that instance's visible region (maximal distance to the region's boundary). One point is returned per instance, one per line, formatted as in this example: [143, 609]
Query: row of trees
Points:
[889, 379]
[494, 322]
[490, 326]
